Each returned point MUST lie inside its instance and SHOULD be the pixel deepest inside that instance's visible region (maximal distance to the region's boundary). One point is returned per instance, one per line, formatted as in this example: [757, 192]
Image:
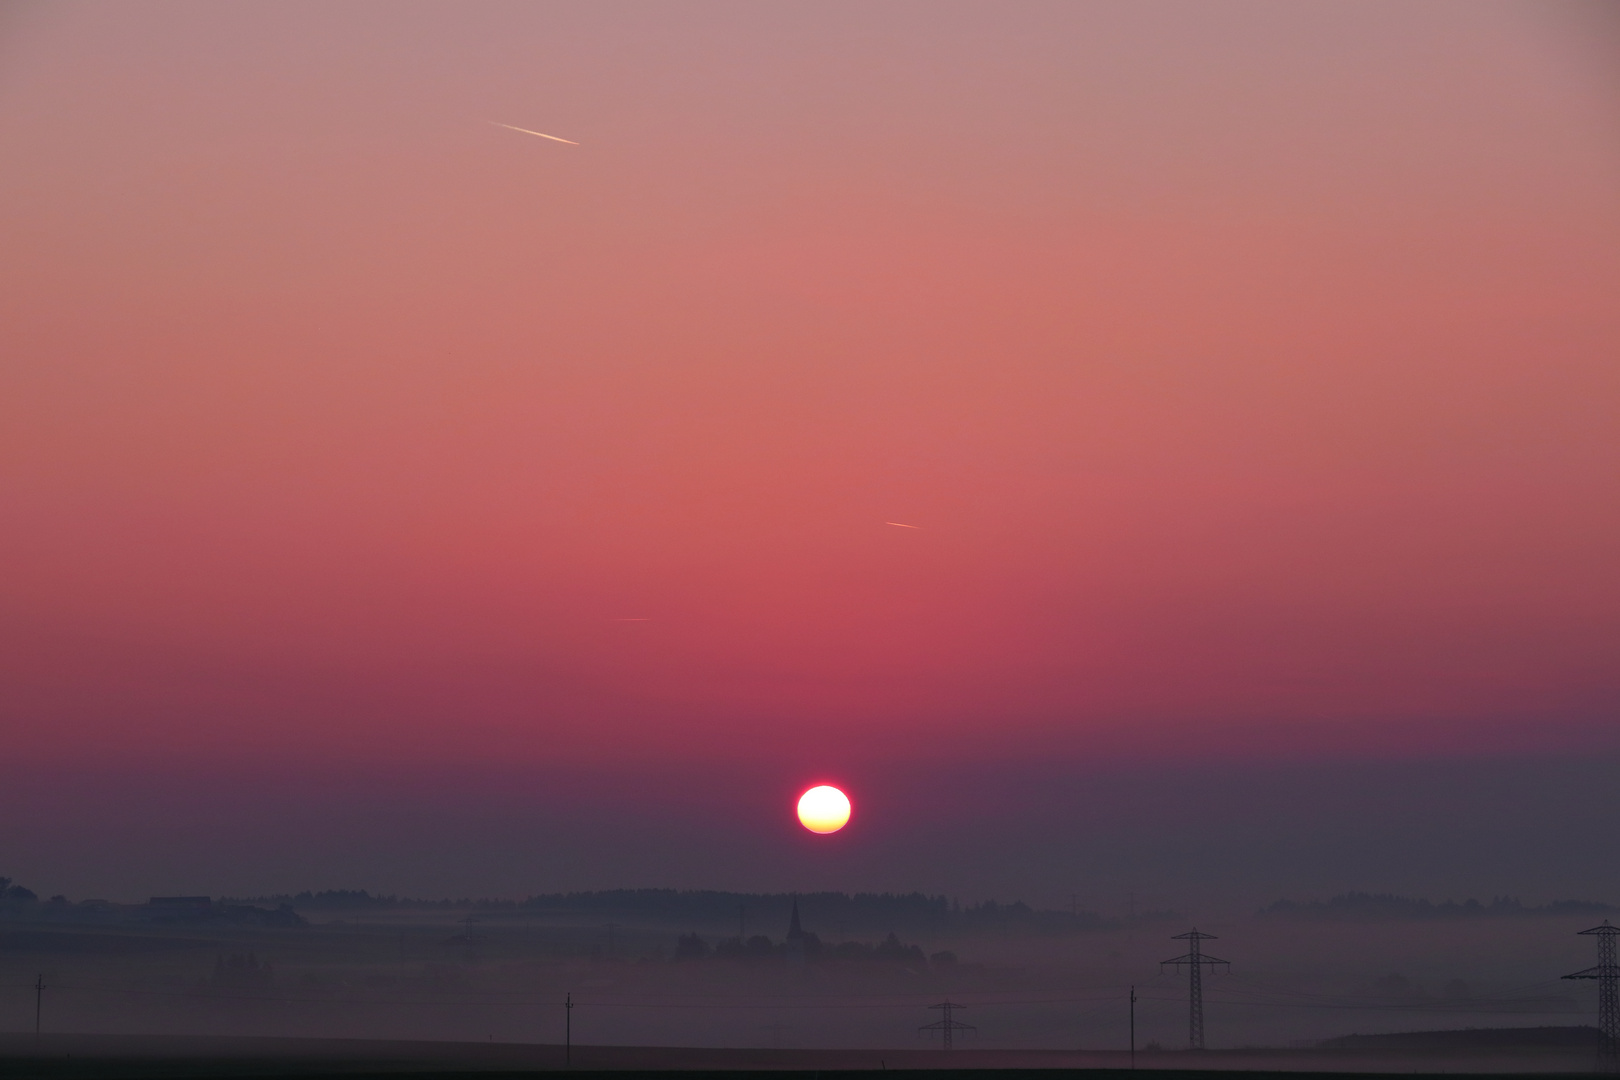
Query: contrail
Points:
[902, 525]
[542, 134]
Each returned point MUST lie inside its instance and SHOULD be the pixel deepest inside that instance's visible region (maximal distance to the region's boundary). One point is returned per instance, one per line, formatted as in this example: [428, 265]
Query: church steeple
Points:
[795, 931]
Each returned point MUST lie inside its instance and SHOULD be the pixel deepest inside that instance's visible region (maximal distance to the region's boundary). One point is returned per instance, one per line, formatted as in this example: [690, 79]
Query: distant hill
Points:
[1359, 905]
[1527, 1038]
[20, 904]
[825, 912]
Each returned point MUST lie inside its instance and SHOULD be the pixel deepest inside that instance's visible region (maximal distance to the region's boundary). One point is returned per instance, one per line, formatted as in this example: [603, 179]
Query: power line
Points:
[1194, 961]
[947, 1026]
[1133, 1027]
[1046, 996]
[1607, 974]
[1238, 991]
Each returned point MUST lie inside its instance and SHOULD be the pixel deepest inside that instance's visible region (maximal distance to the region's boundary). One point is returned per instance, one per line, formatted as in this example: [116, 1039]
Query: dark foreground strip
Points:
[86, 1068]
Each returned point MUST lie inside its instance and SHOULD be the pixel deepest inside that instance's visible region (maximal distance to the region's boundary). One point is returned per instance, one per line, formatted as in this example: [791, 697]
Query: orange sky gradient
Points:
[1249, 371]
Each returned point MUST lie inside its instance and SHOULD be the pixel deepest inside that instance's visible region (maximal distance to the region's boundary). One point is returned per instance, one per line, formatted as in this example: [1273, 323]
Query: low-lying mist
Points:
[660, 967]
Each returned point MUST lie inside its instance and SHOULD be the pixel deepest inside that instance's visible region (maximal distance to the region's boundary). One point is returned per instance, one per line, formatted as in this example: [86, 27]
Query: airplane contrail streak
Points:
[902, 525]
[542, 134]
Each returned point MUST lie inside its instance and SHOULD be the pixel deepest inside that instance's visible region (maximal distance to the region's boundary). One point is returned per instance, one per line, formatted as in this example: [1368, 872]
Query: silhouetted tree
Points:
[891, 950]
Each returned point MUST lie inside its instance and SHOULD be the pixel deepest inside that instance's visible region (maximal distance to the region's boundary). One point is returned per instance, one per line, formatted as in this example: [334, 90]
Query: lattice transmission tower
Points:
[947, 1026]
[1607, 974]
[1195, 961]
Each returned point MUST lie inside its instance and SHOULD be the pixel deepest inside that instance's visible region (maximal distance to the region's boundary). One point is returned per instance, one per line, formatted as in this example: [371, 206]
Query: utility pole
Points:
[1133, 1027]
[568, 1030]
[946, 1026]
[1194, 961]
[39, 999]
[1607, 974]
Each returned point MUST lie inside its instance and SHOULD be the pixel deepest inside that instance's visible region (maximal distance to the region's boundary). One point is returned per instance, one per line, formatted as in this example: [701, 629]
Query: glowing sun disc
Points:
[824, 809]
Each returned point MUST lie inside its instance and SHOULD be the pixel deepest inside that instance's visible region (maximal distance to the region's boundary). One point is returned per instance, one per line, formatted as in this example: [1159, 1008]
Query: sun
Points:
[824, 809]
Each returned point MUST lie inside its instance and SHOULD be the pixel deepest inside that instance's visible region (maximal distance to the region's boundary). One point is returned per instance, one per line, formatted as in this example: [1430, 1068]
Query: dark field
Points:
[157, 1056]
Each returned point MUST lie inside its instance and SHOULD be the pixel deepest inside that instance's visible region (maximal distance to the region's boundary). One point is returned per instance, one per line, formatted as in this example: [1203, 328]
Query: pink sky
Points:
[1249, 371]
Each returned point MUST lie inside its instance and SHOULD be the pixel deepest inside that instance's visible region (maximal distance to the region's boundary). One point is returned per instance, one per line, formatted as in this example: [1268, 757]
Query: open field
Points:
[154, 1056]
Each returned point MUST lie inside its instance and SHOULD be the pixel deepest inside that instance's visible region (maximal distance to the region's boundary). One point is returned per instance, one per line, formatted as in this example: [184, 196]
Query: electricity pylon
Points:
[946, 1026]
[1194, 961]
[1607, 974]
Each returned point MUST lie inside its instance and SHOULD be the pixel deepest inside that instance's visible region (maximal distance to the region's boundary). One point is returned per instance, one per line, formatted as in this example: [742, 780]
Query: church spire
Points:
[795, 931]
